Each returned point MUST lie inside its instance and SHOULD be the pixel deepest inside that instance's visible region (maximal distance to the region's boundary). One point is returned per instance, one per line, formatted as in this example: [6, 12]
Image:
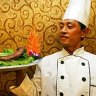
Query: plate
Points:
[18, 67]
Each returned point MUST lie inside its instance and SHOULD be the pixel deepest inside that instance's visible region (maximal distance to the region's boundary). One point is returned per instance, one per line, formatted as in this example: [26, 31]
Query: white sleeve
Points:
[29, 87]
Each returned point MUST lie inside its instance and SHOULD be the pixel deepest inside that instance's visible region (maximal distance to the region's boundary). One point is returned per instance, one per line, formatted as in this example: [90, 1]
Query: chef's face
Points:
[70, 33]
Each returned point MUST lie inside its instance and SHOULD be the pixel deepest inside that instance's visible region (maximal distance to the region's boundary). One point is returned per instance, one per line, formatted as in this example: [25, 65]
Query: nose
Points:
[63, 30]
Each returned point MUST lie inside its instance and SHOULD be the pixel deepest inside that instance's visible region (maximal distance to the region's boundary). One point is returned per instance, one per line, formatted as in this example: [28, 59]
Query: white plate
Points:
[18, 67]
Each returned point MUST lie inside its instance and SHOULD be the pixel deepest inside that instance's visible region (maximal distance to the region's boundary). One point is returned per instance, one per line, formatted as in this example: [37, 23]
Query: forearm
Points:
[28, 87]
[20, 75]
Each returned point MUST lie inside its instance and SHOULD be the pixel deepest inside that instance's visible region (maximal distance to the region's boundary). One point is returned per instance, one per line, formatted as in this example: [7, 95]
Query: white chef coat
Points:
[62, 74]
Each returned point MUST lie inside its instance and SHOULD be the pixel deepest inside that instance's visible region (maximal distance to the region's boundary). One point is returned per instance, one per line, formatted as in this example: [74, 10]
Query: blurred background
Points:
[20, 17]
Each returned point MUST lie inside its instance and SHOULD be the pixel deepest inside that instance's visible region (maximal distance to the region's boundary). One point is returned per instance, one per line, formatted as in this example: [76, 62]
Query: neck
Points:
[70, 50]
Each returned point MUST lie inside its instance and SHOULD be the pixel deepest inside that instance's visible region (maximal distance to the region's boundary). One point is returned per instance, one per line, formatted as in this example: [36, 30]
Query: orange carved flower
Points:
[33, 45]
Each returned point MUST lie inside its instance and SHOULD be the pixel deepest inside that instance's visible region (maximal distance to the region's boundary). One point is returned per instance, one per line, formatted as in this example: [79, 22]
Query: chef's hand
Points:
[20, 75]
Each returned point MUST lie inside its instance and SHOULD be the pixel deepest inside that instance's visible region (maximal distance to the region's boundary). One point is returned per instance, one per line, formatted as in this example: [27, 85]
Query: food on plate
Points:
[15, 55]
[23, 55]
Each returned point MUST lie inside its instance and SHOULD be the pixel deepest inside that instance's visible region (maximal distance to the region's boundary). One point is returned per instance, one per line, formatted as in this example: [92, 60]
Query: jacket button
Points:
[61, 94]
[83, 64]
[62, 62]
[62, 77]
[84, 79]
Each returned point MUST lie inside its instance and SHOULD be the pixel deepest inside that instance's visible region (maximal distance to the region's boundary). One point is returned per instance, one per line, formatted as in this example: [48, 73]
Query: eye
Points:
[70, 26]
[61, 26]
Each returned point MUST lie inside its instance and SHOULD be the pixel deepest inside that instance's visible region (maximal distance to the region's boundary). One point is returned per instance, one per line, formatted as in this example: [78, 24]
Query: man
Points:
[70, 72]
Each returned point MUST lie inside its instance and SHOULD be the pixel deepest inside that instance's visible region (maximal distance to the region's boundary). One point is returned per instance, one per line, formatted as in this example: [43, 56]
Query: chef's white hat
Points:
[78, 10]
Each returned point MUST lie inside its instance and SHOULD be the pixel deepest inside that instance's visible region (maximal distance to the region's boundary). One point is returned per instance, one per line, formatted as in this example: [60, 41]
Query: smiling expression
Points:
[70, 33]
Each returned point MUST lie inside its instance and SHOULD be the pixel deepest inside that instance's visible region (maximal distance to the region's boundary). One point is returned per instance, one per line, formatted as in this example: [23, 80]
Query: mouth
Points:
[64, 37]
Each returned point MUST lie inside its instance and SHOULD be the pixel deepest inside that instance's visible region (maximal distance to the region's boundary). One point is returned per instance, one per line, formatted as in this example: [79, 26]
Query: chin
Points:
[65, 45]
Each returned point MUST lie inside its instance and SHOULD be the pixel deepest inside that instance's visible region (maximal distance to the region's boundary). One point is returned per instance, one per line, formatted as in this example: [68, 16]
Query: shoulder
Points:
[53, 56]
[91, 55]
[49, 60]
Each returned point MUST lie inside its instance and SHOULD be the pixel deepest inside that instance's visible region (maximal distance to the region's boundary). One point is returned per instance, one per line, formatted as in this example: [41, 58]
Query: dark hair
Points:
[82, 25]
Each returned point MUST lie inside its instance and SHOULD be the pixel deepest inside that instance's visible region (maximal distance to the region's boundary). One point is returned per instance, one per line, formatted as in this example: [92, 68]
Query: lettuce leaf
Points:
[7, 52]
[22, 60]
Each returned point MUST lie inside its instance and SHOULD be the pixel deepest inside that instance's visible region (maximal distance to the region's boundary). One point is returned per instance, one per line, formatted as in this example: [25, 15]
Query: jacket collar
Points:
[77, 52]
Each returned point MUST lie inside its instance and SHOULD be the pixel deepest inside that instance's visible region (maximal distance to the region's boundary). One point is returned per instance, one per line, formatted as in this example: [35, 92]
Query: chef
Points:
[69, 72]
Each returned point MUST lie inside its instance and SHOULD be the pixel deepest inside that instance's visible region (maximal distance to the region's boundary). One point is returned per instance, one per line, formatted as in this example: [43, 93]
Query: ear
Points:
[85, 32]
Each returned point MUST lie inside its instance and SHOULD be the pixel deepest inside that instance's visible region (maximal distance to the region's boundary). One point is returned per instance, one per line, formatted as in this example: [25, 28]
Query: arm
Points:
[27, 87]
[20, 75]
